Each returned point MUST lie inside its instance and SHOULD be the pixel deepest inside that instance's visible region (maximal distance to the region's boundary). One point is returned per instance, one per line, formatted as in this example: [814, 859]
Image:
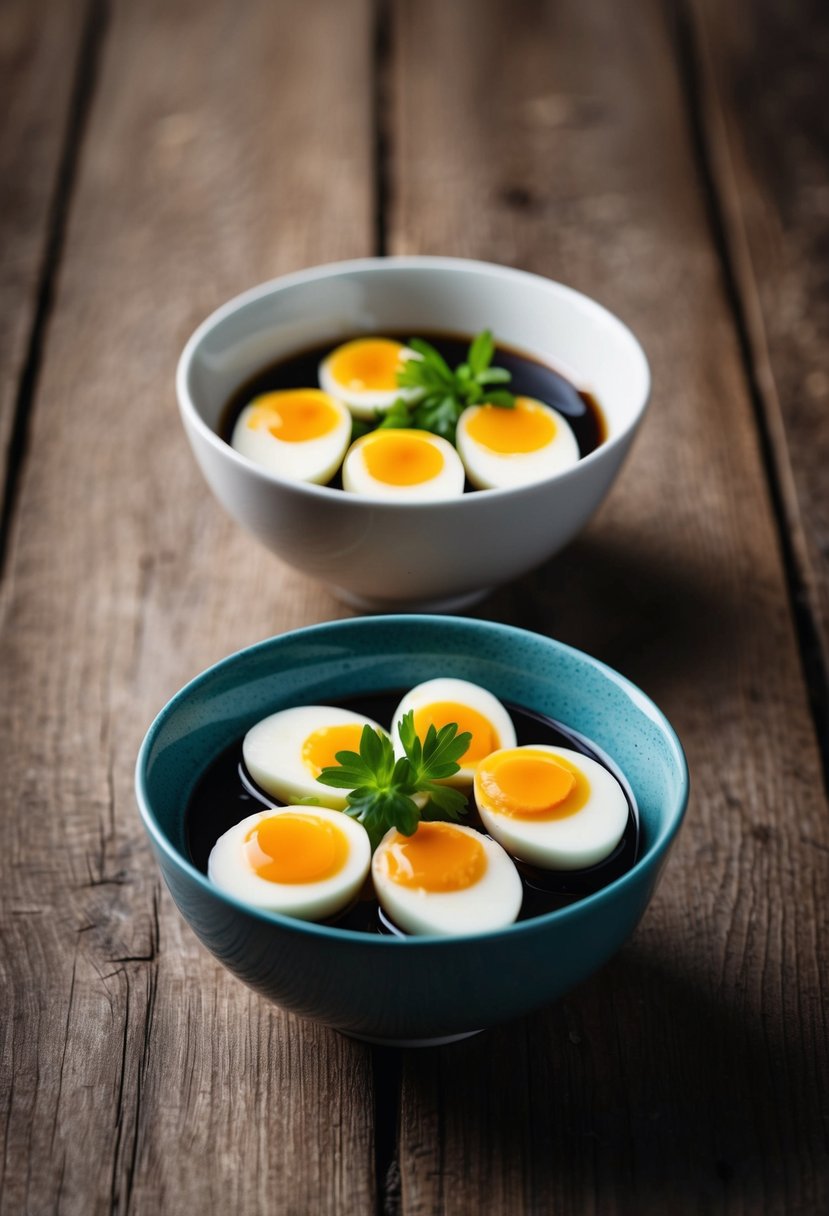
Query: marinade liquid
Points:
[225, 794]
[529, 379]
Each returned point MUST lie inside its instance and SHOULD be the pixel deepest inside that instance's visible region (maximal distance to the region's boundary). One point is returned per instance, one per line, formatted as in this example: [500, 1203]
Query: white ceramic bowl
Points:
[433, 555]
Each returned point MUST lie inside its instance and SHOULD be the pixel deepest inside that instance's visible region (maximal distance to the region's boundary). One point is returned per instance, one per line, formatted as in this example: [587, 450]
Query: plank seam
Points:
[386, 1062]
[695, 94]
[9, 1108]
[67, 1023]
[119, 1106]
[382, 135]
[80, 104]
[387, 1077]
[151, 973]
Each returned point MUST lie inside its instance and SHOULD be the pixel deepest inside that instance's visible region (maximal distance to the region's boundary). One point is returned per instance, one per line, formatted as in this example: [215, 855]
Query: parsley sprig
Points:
[388, 793]
[436, 396]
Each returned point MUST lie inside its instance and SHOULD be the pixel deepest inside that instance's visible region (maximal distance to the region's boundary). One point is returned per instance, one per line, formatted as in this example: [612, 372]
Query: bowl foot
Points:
[440, 1041]
[448, 604]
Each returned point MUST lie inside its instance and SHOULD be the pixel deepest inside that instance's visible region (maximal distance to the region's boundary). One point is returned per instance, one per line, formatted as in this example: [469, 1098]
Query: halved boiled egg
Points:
[363, 374]
[445, 879]
[306, 862]
[444, 700]
[551, 806]
[513, 447]
[300, 433]
[287, 751]
[407, 465]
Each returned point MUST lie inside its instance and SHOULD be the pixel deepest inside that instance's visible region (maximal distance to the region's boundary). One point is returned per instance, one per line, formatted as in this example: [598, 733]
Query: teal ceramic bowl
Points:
[410, 990]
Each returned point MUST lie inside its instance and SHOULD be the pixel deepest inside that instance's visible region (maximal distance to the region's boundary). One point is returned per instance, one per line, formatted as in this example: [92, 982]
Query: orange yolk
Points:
[525, 428]
[292, 848]
[527, 784]
[484, 739]
[320, 748]
[367, 364]
[401, 458]
[436, 858]
[295, 415]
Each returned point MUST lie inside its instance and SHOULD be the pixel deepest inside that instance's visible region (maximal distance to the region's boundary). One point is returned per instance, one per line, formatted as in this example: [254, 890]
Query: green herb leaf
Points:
[499, 397]
[433, 758]
[373, 763]
[494, 375]
[352, 773]
[380, 810]
[444, 803]
[432, 362]
[359, 427]
[481, 352]
[397, 416]
[437, 755]
[437, 395]
[439, 415]
[409, 738]
[382, 789]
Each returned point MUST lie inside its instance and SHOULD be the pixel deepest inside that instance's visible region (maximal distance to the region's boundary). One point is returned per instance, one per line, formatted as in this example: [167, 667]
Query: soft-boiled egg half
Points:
[363, 374]
[307, 862]
[474, 709]
[301, 433]
[553, 807]
[445, 879]
[513, 447]
[406, 465]
[287, 751]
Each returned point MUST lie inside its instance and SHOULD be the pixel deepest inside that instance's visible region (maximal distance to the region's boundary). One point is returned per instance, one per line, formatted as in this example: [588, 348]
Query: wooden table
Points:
[673, 161]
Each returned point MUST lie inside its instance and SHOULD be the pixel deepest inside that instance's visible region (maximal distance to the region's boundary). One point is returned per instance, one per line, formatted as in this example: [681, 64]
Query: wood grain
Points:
[137, 1075]
[689, 1076]
[40, 50]
[762, 100]
[226, 144]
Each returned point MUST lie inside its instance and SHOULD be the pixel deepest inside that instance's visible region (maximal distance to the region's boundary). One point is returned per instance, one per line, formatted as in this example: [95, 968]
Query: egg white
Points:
[462, 692]
[313, 460]
[492, 903]
[228, 868]
[491, 470]
[362, 402]
[448, 483]
[575, 841]
[272, 751]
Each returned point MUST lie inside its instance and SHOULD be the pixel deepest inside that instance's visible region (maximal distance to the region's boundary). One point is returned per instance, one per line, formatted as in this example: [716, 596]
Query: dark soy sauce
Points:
[529, 379]
[225, 793]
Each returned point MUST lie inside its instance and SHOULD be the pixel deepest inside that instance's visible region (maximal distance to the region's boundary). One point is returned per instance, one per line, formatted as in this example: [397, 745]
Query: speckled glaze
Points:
[420, 988]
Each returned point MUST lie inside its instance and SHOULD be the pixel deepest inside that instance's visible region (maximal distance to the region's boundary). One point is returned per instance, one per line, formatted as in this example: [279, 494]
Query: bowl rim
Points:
[516, 930]
[380, 265]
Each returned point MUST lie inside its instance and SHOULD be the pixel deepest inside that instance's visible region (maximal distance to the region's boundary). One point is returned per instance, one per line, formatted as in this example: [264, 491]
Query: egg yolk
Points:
[484, 739]
[295, 415]
[527, 784]
[320, 748]
[401, 458]
[437, 858]
[292, 848]
[525, 428]
[367, 364]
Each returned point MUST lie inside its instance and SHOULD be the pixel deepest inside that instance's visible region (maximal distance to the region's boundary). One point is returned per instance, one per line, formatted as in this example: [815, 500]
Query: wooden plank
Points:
[761, 83]
[143, 1078]
[40, 47]
[690, 1075]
